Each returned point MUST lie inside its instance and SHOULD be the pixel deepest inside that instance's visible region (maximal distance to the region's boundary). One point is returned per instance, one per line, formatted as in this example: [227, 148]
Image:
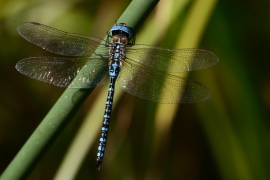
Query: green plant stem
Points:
[66, 107]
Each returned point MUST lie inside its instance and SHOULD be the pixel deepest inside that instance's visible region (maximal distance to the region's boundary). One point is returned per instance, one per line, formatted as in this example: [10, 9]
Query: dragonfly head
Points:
[121, 29]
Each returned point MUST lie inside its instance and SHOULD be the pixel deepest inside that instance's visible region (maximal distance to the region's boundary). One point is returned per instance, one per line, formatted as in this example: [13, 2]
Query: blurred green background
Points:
[226, 137]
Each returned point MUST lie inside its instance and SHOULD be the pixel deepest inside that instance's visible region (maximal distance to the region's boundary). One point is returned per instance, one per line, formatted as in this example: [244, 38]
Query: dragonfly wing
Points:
[59, 42]
[156, 86]
[172, 60]
[61, 71]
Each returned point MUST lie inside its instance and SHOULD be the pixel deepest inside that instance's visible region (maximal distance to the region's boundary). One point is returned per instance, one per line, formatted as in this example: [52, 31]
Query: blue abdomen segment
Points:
[114, 69]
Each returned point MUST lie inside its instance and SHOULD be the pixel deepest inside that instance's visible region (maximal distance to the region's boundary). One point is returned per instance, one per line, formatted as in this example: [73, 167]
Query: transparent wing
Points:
[59, 42]
[160, 87]
[61, 71]
[171, 60]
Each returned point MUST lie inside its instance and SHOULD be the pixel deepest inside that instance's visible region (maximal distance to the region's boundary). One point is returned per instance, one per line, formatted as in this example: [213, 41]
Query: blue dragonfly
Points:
[141, 70]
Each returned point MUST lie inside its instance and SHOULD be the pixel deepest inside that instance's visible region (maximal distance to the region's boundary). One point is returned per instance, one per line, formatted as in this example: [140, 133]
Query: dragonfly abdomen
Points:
[106, 123]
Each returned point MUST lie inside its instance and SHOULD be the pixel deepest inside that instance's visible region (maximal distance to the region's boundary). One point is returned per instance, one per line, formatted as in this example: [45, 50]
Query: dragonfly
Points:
[141, 70]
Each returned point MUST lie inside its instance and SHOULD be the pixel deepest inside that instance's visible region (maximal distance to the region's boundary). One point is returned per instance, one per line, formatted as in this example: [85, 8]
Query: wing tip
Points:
[26, 25]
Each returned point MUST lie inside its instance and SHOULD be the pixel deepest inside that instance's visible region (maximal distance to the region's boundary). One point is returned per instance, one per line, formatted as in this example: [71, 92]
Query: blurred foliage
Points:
[226, 137]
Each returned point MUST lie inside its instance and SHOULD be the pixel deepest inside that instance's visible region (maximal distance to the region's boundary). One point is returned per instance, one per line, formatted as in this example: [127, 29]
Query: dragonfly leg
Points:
[103, 58]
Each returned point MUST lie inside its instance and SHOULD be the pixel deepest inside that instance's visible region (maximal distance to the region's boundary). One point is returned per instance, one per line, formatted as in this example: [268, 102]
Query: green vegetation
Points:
[226, 137]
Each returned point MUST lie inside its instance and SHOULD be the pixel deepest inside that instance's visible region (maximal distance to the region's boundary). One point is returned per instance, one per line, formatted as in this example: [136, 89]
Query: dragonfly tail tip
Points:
[98, 165]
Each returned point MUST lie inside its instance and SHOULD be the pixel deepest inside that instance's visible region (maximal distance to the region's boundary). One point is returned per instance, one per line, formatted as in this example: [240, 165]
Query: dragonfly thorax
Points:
[117, 51]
